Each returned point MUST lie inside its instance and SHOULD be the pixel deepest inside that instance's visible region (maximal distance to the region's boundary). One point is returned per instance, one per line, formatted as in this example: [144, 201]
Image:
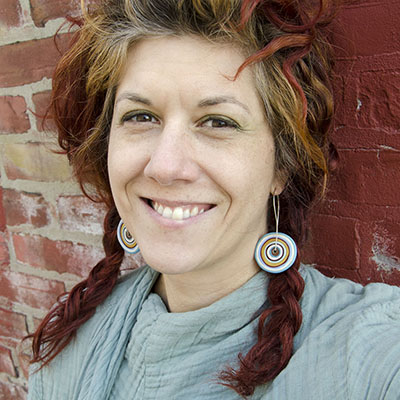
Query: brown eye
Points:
[143, 118]
[217, 122]
[139, 117]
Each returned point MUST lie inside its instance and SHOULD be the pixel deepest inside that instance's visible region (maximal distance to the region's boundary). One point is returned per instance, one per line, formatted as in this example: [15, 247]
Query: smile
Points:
[178, 212]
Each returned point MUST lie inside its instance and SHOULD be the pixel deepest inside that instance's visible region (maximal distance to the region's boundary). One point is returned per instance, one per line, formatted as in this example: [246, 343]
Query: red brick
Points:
[381, 243]
[29, 61]
[333, 243]
[346, 106]
[6, 362]
[60, 256]
[368, 29]
[350, 137]
[9, 391]
[77, 213]
[362, 212]
[29, 290]
[45, 10]
[35, 161]
[13, 116]
[26, 208]
[4, 254]
[11, 13]
[393, 214]
[379, 94]
[41, 101]
[12, 325]
[368, 177]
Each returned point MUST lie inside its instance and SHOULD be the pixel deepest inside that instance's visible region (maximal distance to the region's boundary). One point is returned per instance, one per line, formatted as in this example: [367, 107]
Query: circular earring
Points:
[127, 242]
[275, 252]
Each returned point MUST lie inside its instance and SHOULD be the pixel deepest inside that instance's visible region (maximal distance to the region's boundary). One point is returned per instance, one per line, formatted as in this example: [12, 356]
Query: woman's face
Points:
[191, 157]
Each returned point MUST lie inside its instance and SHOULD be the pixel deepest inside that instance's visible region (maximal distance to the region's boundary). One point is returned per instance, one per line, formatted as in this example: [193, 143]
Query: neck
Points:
[198, 289]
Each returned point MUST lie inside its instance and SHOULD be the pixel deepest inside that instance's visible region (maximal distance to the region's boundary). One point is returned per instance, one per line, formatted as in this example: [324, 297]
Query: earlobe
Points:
[278, 184]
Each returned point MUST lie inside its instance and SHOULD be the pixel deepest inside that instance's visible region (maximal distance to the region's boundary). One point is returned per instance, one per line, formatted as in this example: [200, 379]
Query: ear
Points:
[278, 183]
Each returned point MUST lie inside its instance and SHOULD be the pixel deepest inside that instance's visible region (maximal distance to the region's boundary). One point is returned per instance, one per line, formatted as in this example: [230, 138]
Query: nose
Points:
[171, 158]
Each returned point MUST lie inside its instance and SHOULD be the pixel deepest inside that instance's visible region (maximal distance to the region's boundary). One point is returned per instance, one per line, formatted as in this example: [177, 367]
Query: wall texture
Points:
[50, 235]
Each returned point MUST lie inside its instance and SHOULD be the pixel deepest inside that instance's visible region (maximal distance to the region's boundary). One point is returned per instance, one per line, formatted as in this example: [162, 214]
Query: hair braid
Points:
[76, 307]
[277, 326]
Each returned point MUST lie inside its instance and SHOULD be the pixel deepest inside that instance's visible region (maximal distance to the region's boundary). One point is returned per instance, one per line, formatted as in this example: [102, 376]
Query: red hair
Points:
[294, 60]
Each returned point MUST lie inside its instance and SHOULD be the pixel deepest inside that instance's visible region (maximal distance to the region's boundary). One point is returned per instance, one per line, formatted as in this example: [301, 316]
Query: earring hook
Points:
[275, 199]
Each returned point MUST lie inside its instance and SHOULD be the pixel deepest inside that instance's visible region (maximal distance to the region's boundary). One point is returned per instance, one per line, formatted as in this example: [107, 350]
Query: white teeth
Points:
[167, 213]
[177, 213]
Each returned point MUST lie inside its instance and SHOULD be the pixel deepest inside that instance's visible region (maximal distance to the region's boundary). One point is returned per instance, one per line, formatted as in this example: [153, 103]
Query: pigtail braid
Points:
[74, 308]
[277, 326]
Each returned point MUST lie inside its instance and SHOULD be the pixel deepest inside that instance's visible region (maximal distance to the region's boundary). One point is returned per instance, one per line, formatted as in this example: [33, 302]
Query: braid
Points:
[76, 307]
[277, 327]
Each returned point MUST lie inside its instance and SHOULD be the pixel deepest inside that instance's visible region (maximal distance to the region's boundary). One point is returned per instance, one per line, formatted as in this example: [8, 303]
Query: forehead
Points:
[194, 62]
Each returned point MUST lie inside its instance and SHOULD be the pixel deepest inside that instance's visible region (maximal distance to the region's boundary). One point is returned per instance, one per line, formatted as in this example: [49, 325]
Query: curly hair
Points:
[286, 43]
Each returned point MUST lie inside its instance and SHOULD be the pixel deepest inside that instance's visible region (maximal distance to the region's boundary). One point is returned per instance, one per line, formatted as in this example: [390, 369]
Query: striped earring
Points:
[125, 239]
[275, 252]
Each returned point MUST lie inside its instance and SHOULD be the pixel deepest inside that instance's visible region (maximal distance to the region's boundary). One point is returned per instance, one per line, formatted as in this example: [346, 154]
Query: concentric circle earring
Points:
[275, 252]
[127, 242]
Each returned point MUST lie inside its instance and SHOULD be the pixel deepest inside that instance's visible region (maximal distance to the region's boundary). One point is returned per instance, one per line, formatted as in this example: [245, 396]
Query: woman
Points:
[202, 125]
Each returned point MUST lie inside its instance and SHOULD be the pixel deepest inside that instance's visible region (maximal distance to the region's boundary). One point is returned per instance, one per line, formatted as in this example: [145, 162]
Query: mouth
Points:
[178, 211]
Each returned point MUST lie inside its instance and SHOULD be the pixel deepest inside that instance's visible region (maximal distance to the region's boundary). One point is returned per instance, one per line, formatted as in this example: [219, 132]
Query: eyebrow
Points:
[134, 97]
[213, 101]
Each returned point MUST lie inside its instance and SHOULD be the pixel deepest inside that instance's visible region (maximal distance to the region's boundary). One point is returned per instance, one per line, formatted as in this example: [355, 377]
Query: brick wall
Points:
[356, 233]
[50, 235]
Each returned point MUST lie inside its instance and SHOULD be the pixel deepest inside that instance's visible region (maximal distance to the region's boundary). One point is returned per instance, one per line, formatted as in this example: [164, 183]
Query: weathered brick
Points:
[35, 161]
[368, 29]
[41, 101]
[77, 213]
[346, 209]
[333, 243]
[45, 10]
[12, 325]
[380, 242]
[29, 290]
[10, 391]
[13, 116]
[367, 177]
[6, 362]
[26, 208]
[11, 13]
[60, 256]
[379, 97]
[30, 61]
[4, 254]
[351, 137]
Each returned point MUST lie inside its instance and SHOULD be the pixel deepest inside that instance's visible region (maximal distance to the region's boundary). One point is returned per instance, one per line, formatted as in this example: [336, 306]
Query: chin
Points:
[170, 264]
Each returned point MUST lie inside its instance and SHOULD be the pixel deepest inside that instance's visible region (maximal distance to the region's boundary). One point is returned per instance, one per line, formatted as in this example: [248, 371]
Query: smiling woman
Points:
[203, 126]
[188, 154]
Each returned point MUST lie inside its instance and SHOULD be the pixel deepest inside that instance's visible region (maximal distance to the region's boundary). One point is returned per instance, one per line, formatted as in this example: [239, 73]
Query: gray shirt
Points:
[348, 346]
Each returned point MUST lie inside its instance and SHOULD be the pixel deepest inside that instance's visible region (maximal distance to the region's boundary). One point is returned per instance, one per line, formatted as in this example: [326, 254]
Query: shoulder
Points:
[353, 332]
[67, 365]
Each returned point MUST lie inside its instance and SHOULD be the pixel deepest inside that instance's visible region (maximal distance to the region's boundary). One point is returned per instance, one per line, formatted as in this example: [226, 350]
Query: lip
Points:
[167, 222]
